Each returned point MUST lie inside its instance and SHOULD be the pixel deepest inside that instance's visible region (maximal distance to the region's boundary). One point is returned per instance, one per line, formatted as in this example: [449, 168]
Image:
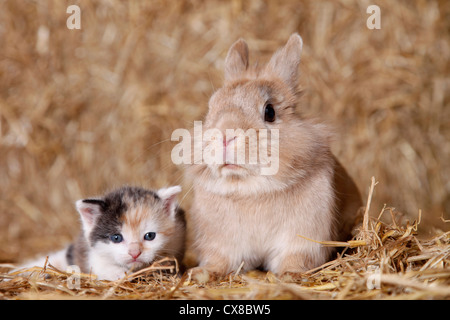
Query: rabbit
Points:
[241, 218]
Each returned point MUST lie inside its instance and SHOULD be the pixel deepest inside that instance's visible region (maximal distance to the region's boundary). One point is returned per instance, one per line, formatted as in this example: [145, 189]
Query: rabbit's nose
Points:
[227, 141]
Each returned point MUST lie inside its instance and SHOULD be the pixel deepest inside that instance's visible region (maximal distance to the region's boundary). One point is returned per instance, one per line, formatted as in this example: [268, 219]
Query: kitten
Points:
[124, 231]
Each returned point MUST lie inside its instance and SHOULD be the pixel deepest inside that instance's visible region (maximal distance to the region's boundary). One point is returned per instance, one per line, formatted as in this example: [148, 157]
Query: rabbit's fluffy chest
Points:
[259, 230]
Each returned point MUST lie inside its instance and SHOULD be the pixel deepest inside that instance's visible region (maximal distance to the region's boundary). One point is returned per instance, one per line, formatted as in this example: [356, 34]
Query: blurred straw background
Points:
[83, 111]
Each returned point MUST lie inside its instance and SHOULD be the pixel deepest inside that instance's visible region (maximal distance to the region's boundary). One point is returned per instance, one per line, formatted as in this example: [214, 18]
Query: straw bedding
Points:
[84, 111]
[381, 261]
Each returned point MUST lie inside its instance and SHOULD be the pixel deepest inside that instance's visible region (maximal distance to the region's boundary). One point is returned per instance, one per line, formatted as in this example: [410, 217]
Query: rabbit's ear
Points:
[284, 63]
[236, 61]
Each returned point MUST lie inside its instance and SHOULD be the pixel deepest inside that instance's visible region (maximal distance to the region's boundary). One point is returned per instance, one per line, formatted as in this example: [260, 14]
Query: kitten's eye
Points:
[269, 113]
[116, 238]
[149, 236]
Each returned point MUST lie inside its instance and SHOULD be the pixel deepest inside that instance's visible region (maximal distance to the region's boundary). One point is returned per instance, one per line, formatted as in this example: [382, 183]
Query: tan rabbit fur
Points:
[238, 214]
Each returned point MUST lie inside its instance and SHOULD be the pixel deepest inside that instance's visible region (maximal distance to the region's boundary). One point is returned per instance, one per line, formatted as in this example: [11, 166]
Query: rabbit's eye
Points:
[269, 113]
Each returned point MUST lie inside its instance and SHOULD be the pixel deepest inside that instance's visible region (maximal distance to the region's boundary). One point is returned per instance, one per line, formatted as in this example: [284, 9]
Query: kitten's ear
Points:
[168, 197]
[284, 63]
[236, 61]
[89, 210]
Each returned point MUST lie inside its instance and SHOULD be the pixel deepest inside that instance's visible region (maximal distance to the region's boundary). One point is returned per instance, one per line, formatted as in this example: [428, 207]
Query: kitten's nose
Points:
[134, 250]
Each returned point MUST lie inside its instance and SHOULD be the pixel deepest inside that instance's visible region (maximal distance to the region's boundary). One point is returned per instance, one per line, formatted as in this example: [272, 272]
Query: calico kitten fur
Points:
[124, 231]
